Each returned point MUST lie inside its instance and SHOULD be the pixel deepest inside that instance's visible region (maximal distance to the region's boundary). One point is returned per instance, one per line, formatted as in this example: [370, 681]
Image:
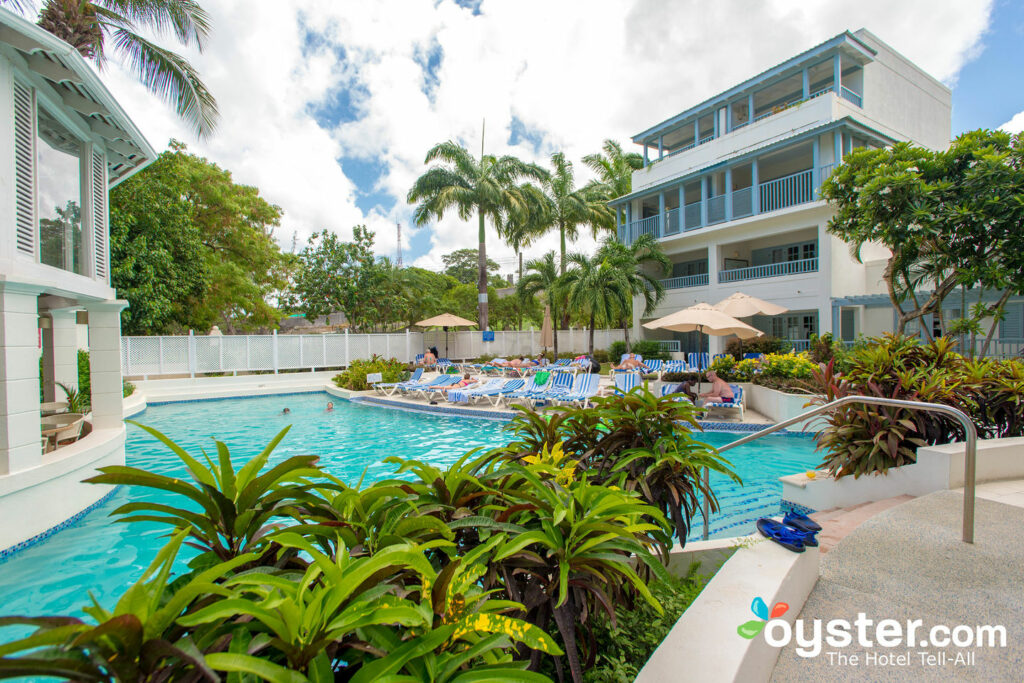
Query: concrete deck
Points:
[908, 562]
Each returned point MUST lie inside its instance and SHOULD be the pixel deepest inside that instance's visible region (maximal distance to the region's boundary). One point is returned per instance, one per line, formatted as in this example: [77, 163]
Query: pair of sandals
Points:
[796, 532]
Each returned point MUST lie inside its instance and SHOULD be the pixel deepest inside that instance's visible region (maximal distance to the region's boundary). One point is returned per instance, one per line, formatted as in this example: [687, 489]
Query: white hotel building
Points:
[65, 142]
[730, 188]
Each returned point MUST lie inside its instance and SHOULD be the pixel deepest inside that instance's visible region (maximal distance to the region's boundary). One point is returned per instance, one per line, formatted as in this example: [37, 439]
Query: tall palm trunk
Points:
[482, 275]
[554, 329]
[625, 332]
[564, 322]
[591, 350]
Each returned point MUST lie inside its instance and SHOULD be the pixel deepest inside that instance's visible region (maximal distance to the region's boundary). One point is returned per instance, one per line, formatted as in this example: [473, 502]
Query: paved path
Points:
[908, 563]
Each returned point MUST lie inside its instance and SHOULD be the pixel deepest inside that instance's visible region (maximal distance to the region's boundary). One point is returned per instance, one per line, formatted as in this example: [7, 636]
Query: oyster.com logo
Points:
[753, 627]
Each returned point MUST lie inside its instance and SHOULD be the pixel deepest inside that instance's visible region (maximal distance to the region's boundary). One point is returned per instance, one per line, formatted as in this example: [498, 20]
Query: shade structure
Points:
[547, 335]
[741, 305]
[705, 319]
[446, 320]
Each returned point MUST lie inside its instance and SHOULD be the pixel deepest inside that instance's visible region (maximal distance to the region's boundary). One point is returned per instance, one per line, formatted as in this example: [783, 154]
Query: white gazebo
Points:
[65, 143]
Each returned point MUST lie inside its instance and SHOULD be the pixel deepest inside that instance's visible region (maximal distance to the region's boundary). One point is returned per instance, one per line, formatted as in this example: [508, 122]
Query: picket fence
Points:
[199, 354]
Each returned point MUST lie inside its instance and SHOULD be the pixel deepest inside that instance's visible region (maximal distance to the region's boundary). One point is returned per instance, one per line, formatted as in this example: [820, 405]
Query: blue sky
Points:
[329, 106]
[990, 89]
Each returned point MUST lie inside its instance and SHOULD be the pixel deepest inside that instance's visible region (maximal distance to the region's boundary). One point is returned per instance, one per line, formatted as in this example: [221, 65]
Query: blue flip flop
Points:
[801, 522]
[788, 537]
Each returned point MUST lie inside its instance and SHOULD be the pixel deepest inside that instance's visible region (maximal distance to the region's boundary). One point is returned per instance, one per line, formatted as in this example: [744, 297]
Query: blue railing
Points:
[670, 345]
[800, 344]
[796, 188]
[672, 222]
[646, 226]
[685, 281]
[742, 204]
[851, 96]
[807, 265]
[716, 209]
[691, 216]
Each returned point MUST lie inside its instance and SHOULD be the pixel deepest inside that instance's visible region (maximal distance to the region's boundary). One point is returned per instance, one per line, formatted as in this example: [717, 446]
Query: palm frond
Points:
[170, 77]
[184, 18]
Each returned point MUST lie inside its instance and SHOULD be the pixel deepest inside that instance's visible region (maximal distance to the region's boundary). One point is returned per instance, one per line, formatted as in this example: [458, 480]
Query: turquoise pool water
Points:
[97, 555]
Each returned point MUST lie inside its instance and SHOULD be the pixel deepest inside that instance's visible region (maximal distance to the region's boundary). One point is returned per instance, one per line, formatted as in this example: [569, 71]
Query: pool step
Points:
[838, 522]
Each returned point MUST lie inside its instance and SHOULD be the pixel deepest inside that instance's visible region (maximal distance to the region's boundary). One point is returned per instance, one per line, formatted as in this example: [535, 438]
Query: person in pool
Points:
[286, 411]
[330, 407]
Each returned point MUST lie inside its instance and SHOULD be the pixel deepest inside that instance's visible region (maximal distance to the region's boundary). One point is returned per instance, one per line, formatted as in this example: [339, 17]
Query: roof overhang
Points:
[846, 41]
[56, 67]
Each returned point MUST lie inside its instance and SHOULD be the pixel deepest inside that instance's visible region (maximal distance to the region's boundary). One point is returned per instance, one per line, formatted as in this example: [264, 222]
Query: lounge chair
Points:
[654, 366]
[754, 356]
[508, 385]
[534, 386]
[561, 384]
[735, 405]
[669, 389]
[419, 358]
[462, 395]
[673, 366]
[586, 387]
[698, 360]
[388, 388]
[623, 383]
[439, 381]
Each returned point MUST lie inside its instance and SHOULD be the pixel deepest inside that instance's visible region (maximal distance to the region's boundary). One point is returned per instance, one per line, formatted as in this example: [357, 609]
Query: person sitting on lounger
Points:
[631, 362]
[720, 391]
[687, 389]
[429, 359]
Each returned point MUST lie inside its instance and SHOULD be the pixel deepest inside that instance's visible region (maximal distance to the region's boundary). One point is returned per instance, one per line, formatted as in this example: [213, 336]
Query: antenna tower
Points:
[398, 225]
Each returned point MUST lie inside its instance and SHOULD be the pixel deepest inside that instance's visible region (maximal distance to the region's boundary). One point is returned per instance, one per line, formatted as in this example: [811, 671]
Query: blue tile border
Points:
[790, 506]
[7, 553]
[450, 411]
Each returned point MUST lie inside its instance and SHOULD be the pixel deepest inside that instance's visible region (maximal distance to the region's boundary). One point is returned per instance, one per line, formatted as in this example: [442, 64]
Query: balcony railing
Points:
[807, 265]
[848, 94]
[685, 281]
[669, 345]
[779, 193]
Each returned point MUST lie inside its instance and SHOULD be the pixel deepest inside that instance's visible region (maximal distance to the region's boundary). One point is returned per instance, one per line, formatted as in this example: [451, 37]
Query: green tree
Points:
[99, 28]
[950, 219]
[570, 208]
[190, 248]
[334, 275]
[614, 169]
[466, 185]
[597, 285]
[462, 265]
[542, 277]
[642, 263]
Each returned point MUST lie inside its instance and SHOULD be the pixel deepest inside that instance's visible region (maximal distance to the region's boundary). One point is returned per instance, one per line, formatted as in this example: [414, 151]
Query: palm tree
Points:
[97, 28]
[614, 169]
[569, 208]
[597, 285]
[465, 184]
[542, 276]
[641, 263]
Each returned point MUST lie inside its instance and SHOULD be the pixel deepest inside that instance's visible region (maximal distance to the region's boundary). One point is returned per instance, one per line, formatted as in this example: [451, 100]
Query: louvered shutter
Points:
[99, 215]
[1012, 326]
[24, 168]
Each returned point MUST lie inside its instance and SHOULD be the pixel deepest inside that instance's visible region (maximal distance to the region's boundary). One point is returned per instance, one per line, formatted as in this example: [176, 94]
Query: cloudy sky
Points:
[329, 106]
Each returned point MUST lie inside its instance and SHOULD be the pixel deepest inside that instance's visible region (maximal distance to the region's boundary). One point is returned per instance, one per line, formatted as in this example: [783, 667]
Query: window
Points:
[58, 170]
[795, 327]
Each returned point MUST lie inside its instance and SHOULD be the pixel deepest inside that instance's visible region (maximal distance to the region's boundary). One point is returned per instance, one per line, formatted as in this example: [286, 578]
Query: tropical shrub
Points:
[724, 367]
[127, 389]
[489, 569]
[76, 400]
[354, 377]
[786, 366]
[863, 439]
[763, 344]
[648, 348]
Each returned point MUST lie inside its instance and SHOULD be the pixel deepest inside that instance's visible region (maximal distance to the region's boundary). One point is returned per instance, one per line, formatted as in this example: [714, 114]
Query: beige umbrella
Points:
[741, 305]
[705, 319]
[446, 320]
[547, 336]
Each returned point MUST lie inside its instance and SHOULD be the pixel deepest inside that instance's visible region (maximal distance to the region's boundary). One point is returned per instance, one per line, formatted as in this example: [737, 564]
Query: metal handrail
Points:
[960, 416]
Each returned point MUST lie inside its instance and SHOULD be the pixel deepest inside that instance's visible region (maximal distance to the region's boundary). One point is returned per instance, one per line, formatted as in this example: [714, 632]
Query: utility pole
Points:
[398, 225]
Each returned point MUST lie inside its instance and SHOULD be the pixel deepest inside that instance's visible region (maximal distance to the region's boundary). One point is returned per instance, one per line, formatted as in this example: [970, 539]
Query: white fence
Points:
[194, 354]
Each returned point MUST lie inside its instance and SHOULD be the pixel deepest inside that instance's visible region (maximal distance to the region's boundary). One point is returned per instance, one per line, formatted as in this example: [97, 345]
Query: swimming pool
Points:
[102, 557]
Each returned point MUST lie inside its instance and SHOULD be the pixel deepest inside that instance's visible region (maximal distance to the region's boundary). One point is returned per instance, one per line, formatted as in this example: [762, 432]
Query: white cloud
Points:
[1014, 125]
[574, 73]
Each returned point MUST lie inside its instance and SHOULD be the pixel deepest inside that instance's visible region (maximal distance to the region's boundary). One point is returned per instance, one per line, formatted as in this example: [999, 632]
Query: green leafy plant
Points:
[354, 377]
[76, 400]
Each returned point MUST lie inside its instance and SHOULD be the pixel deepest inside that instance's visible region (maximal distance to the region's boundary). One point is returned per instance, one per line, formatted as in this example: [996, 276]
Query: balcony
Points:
[773, 195]
[686, 281]
[808, 265]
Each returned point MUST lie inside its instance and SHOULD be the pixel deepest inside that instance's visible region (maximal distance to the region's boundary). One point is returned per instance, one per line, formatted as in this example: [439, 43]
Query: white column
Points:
[20, 437]
[105, 363]
[60, 353]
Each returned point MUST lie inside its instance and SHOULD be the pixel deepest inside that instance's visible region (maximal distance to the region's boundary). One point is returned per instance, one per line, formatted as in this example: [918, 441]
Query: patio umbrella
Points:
[445, 320]
[705, 319]
[741, 305]
[547, 336]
